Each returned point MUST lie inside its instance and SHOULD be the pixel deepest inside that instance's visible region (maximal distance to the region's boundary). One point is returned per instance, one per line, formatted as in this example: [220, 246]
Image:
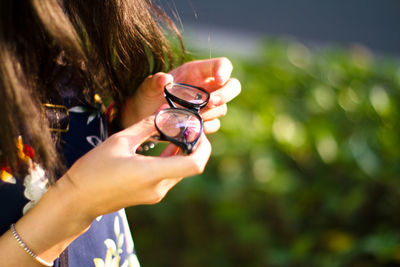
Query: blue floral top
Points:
[108, 242]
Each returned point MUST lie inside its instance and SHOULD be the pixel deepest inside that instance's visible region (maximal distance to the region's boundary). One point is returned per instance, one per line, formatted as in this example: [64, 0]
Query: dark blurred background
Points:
[372, 23]
[306, 166]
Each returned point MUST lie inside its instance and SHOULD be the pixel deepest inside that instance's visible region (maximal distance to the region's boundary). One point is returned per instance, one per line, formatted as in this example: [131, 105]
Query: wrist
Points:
[56, 220]
[71, 203]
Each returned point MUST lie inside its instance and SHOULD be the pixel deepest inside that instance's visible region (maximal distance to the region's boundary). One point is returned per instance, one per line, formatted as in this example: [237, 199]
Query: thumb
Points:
[153, 85]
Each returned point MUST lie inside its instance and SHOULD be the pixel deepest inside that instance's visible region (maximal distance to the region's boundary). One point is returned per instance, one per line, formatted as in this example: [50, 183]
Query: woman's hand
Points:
[113, 176]
[214, 75]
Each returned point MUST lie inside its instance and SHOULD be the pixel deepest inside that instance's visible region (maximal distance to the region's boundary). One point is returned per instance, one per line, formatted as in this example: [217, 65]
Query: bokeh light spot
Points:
[327, 148]
[380, 100]
[348, 99]
[324, 96]
[264, 169]
[299, 55]
[288, 131]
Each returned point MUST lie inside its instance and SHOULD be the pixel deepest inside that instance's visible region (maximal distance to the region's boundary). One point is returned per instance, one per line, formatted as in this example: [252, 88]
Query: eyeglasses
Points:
[181, 124]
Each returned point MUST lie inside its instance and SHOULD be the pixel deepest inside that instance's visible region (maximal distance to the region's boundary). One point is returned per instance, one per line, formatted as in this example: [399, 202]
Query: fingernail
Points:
[170, 78]
[165, 79]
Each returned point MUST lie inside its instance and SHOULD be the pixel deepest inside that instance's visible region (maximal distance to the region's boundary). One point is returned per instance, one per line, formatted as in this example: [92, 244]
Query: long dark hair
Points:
[117, 42]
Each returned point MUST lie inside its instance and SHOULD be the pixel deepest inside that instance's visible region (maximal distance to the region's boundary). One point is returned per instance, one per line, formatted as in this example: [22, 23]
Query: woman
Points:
[64, 183]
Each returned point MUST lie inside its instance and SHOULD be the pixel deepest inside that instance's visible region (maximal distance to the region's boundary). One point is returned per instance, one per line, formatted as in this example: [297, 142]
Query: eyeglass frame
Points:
[194, 108]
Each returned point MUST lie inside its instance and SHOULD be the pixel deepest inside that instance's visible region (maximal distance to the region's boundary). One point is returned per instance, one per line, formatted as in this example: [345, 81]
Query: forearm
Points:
[47, 229]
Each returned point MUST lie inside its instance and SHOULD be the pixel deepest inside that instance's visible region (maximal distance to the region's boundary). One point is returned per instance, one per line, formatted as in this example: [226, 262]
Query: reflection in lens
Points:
[181, 125]
[187, 93]
[192, 129]
[168, 124]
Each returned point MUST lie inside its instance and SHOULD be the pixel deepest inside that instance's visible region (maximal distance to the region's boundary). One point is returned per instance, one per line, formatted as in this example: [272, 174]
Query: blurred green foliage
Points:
[305, 169]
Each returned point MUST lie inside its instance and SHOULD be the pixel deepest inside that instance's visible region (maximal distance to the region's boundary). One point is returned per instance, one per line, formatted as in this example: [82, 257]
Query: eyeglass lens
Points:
[179, 124]
[189, 94]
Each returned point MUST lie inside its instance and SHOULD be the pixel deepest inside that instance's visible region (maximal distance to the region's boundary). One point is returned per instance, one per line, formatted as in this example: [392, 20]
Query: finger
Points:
[218, 68]
[164, 186]
[214, 113]
[212, 126]
[153, 85]
[170, 150]
[226, 93]
[139, 132]
[222, 70]
[200, 155]
[182, 165]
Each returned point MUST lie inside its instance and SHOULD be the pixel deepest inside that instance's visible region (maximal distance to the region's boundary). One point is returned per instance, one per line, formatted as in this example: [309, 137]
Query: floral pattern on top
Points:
[114, 249]
[36, 184]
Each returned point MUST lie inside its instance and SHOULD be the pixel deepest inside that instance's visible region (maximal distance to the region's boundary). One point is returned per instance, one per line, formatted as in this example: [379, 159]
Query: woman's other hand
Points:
[214, 75]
